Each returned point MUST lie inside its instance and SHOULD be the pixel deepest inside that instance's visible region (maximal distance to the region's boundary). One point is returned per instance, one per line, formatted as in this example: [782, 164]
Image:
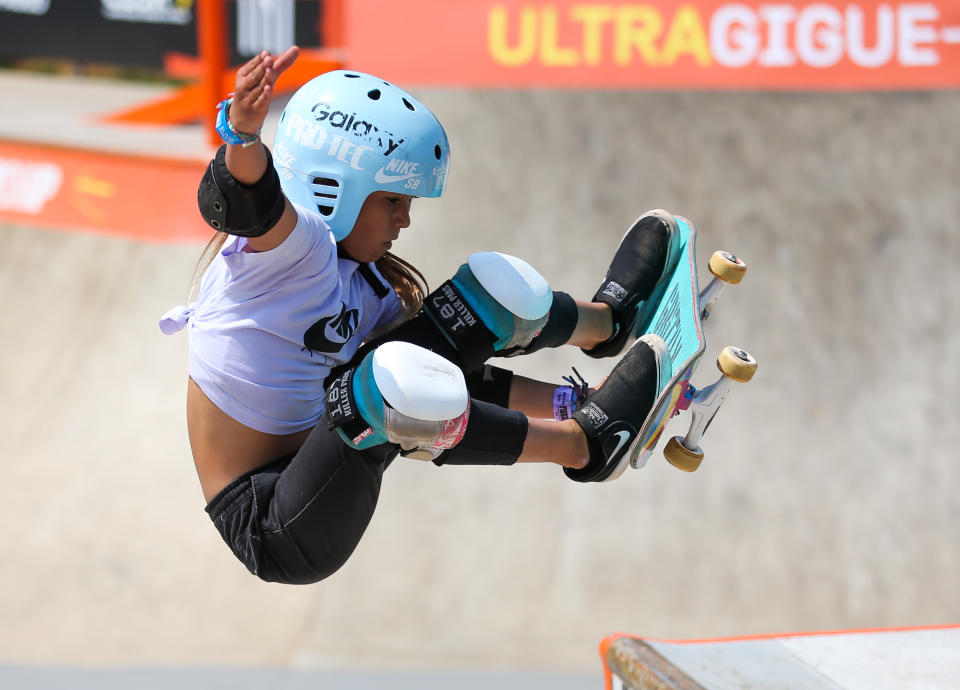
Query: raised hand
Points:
[254, 88]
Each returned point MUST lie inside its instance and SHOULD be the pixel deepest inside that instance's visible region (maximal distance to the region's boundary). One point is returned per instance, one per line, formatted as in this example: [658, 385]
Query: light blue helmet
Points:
[346, 134]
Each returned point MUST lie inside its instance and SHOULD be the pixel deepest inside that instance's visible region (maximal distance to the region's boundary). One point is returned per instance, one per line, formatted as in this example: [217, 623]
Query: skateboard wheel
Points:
[727, 267]
[682, 457]
[737, 364]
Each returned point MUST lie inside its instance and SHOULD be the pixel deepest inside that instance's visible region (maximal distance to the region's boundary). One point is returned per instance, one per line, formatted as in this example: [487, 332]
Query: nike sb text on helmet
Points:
[346, 134]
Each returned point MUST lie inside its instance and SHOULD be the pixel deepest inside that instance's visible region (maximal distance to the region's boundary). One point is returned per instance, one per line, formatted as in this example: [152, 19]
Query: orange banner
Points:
[703, 44]
[147, 198]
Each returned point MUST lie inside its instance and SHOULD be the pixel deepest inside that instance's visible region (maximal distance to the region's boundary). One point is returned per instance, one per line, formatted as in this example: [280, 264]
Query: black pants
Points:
[298, 519]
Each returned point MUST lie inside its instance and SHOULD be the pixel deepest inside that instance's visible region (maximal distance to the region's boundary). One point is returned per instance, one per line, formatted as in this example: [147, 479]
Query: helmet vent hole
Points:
[352, 76]
[326, 191]
[374, 94]
[437, 152]
[408, 104]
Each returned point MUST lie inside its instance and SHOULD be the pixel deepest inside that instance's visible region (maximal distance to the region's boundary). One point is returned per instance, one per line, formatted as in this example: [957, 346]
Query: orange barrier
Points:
[193, 102]
[142, 197]
[712, 44]
[216, 78]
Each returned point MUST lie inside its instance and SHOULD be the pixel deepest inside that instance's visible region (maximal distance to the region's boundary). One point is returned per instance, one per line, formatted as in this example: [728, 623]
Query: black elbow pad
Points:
[240, 209]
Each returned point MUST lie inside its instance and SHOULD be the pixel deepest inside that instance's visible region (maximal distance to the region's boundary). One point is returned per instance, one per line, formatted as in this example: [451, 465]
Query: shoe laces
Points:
[579, 385]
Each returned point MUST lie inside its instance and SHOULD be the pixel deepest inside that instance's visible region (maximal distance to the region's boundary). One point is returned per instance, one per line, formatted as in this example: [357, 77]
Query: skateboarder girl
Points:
[316, 356]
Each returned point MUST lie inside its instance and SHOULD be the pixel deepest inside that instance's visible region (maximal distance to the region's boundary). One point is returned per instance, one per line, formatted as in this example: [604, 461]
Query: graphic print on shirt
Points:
[331, 333]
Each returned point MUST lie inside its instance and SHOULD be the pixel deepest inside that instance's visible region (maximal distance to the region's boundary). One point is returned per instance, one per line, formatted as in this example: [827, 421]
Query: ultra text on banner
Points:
[789, 45]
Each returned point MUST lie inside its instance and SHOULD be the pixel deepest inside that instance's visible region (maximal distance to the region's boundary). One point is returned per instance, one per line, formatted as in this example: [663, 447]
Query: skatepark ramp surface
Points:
[913, 659]
[827, 499]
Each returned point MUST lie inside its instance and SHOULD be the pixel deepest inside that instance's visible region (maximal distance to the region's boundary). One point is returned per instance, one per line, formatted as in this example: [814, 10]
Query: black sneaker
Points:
[612, 416]
[640, 262]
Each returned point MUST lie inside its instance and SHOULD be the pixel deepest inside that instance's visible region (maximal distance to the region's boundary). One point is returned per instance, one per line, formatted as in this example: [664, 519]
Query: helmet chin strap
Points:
[344, 254]
[366, 272]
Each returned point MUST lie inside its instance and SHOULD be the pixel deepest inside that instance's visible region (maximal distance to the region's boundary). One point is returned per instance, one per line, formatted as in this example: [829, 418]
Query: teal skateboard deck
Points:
[676, 312]
[673, 313]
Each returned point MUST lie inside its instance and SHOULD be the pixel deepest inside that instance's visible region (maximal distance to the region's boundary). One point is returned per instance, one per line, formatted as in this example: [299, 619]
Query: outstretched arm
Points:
[254, 91]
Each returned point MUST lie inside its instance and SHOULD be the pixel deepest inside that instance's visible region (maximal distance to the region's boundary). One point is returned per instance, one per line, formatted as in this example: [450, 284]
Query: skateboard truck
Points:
[727, 269]
[735, 365]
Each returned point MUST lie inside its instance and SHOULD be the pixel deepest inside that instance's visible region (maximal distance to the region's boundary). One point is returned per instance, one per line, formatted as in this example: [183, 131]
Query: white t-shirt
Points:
[268, 326]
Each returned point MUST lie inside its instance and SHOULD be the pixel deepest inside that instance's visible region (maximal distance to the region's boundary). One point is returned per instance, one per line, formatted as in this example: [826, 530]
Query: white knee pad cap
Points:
[427, 397]
[514, 283]
[419, 383]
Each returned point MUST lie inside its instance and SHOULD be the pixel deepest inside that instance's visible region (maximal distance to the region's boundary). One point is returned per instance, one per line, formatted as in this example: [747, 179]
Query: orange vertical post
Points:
[212, 46]
[331, 23]
[199, 100]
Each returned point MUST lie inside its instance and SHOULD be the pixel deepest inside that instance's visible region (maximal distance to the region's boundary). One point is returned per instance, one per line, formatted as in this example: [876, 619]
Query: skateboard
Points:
[676, 312]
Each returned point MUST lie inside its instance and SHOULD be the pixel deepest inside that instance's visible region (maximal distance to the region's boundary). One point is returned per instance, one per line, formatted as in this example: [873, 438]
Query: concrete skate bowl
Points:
[827, 498]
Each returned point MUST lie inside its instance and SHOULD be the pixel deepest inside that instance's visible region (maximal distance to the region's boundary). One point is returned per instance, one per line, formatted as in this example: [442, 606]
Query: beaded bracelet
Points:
[227, 131]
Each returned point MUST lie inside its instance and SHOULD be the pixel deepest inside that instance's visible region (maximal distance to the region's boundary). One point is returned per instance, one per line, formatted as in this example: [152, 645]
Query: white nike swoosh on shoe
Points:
[624, 437]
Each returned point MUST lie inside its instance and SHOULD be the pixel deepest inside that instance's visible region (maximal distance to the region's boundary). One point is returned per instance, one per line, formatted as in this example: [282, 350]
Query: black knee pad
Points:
[495, 303]
[490, 384]
[561, 322]
[494, 436]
